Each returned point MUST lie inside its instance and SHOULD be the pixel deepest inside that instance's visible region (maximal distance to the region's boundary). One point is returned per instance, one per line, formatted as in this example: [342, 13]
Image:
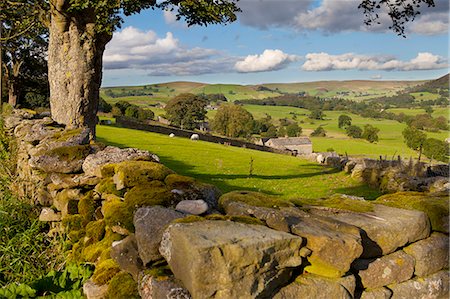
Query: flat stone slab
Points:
[149, 224]
[150, 287]
[430, 254]
[385, 229]
[194, 207]
[393, 268]
[224, 259]
[317, 287]
[380, 293]
[435, 286]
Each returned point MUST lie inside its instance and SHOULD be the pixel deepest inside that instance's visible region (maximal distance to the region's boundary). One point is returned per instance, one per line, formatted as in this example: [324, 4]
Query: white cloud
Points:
[269, 60]
[170, 17]
[350, 61]
[133, 48]
[376, 77]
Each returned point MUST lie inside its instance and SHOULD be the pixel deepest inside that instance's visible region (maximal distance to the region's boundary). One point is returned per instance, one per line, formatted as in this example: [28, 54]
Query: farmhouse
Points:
[298, 145]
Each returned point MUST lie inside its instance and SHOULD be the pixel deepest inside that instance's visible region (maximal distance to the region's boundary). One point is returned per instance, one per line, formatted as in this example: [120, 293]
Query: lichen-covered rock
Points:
[334, 245]
[66, 159]
[255, 199]
[151, 287]
[380, 293]
[94, 291]
[93, 163]
[149, 223]
[393, 268]
[125, 253]
[440, 186]
[71, 181]
[436, 207]
[385, 229]
[435, 286]
[48, 215]
[122, 285]
[317, 287]
[134, 173]
[223, 259]
[194, 207]
[66, 201]
[430, 254]
[149, 194]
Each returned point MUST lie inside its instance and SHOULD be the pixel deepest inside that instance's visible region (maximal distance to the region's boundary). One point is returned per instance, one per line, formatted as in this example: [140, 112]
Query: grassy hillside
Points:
[228, 167]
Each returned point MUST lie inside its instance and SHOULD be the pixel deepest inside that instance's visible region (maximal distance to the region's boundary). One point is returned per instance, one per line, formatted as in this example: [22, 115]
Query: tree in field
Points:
[344, 121]
[80, 29]
[319, 132]
[186, 110]
[436, 149]
[414, 139]
[23, 48]
[233, 121]
[370, 133]
[354, 131]
[293, 130]
[316, 114]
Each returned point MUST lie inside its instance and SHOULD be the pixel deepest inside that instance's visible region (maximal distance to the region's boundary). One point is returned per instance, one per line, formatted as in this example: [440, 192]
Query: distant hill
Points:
[433, 86]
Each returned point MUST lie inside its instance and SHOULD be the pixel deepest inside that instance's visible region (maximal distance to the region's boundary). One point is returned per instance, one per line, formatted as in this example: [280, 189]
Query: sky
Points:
[278, 41]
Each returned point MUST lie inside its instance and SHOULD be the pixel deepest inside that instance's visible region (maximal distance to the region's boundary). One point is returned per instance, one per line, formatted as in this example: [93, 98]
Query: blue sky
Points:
[278, 41]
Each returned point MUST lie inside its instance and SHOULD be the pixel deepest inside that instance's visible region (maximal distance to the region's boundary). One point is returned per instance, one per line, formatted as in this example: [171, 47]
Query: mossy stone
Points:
[436, 207]
[108, 170]
[135, 173]
[73, 222]
[122, 286]
[117, 212]
[317, 266]
[254, 199]
[100, 250]
[218, 217]
[107, 185]
[337, 202]
[159, 272]
[246, 220]
[70, 153]
[95, 230]
[189, 219]
[67, 134]
[86, 207]
[179, 181]
[149, 194]
[105, 271]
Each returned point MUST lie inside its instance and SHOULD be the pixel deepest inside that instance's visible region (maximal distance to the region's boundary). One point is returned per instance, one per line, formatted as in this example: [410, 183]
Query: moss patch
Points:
[318, 267]
[436, 207]
[337, 202]
[149, 194]
[107, 170]
[107, 185]
[105, 271]
[123, 286]
[159, 272]
[134, 173]
[254, 199]
[73, 222]
[70, 153]
[240, 219]
[100, 250]
[95, 230]
[67, 134]
[117, 212]
[86, 207]
[179, 181]
[189, 219]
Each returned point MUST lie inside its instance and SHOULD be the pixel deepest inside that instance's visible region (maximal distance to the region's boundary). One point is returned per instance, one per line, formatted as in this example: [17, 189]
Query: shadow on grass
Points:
[222, 181]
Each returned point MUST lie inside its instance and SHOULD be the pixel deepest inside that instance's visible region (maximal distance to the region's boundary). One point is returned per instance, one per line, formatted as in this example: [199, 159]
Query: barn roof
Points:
[290, 141]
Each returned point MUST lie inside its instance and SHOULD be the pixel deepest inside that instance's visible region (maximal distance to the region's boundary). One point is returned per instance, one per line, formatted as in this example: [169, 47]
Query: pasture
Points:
[229, 167]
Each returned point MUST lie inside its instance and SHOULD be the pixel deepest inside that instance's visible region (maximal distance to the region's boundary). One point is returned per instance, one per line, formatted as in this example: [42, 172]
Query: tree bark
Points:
[13, 95]
[75, 57]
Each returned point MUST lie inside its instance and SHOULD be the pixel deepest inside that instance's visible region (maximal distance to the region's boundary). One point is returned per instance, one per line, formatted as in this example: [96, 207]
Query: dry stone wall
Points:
[152, 233]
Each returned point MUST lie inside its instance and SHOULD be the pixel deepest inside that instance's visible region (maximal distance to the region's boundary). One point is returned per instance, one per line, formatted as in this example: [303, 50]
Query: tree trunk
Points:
[75, 57]
[13, 93]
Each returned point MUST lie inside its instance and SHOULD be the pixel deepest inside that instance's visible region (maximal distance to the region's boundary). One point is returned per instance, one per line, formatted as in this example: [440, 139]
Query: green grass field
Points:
[228, 167]
[437, 111]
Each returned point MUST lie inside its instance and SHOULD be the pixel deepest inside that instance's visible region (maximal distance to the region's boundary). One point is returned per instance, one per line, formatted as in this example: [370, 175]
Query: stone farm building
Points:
[298, 145]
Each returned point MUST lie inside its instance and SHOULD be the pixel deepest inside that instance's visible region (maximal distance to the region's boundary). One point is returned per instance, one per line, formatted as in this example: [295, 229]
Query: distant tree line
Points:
[123, 108]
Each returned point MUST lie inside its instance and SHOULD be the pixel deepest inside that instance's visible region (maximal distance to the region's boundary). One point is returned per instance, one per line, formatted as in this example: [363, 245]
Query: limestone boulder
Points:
[94, 291]
[314, 286]
[193, 207]
[111, 154]
[70, 181]
[151, 287]
[435, 286]
[126, 255]
[66, 159]
[149, 224]
[66, 201]
[384, 229]
[135, 173]
[392, 268]
[223, 259]
[430, 254]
